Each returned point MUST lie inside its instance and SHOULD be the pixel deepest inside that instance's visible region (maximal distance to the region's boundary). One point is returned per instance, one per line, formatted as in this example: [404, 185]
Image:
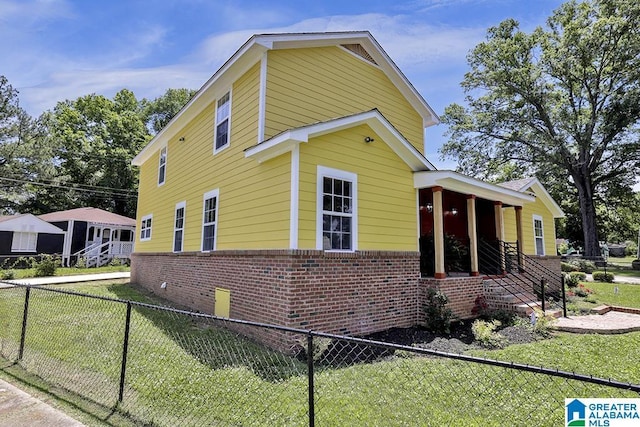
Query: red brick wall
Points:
[550, 262]
[346, 293]
[461, 291]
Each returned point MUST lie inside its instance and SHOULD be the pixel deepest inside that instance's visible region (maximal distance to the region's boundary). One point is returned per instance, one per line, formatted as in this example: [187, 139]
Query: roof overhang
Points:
[29, 224]
[543, 195]
[252, 51]
[286, 141]
[454, 181]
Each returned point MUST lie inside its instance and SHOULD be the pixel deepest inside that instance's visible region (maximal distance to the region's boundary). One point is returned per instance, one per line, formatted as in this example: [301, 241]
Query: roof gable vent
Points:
[357, 49]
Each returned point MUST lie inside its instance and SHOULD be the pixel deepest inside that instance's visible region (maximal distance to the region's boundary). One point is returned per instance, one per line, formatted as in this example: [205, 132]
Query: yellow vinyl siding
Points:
[387, 218]
[528, 211]
[248, 191]
[306, 86]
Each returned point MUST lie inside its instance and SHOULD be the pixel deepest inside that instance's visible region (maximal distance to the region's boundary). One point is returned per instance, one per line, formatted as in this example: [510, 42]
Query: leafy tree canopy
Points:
[161, 110]
[562, 102]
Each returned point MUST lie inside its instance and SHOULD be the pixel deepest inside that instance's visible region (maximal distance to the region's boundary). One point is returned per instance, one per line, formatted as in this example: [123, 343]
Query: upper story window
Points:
[538, 232]
[210, 221]
[178, 228]
[24, 241]
[337, 216]
[223, 121]
[162, 166]
[145, 227]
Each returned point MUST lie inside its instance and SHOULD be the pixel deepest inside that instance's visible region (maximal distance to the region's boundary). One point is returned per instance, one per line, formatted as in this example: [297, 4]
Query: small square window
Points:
[145, 228]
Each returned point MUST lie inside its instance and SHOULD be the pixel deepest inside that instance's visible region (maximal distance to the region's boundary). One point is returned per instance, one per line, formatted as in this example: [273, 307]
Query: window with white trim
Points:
[538, 233]
[24, 241]
[162, 166]
[337, 218]
[223, 121]
[178, 227]
[145, 227]
[210, 221]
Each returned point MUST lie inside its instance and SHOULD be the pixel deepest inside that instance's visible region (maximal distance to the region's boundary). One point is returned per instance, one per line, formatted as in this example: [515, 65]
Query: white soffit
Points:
[450, 180]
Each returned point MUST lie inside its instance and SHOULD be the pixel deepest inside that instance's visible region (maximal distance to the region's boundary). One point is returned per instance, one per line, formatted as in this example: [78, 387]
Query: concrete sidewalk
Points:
[20, 409]
[57, 280]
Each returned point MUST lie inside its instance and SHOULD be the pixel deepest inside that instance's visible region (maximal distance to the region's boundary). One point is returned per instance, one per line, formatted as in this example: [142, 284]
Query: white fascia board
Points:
[450, 180]
[29, 223]
[284, 142]
[248, 55]
[544, 196]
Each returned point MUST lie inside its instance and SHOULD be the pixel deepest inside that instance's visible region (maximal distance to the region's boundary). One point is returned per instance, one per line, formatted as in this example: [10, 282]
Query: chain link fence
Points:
[165, 367]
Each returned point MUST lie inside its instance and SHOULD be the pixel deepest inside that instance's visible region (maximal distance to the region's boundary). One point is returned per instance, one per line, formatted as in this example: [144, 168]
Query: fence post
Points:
[24, 322]
[310, 373]
[564, 297]
[125, 347]
[543, 285]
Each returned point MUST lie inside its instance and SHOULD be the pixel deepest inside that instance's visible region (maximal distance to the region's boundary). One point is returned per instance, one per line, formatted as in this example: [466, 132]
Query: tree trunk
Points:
[588, 215]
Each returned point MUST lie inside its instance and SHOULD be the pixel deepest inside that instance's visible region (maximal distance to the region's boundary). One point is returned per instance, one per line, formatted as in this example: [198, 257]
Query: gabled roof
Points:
[285, 141]
[251, 52]
[89, 215]
[458, 182]
[27, 223]
[536, 187]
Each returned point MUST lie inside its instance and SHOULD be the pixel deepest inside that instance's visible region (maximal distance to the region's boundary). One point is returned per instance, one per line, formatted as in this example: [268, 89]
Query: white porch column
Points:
[473, 235]
[438, 233]
[499, 218]
[519, 236]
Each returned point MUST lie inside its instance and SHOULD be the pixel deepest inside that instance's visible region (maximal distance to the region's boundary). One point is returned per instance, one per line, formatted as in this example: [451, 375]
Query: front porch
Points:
[462, 235]
[104, 243]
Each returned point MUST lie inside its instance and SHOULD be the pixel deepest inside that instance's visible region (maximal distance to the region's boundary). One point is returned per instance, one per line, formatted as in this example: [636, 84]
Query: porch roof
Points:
[454, 181]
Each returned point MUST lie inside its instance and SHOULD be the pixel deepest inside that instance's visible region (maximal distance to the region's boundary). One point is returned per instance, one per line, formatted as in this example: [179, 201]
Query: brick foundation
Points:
[346, 293]
[461, 291]
[550, 262]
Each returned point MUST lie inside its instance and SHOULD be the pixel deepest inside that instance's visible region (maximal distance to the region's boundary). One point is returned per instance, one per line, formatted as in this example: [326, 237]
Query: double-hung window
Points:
[223, 121]
[210, 221]
[145, 227]
[162, 166]
[178, 227]
[337, 214]
[24, 241]
[538, 232]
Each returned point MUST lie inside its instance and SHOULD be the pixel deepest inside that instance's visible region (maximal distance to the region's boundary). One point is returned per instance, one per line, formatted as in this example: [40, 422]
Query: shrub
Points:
[568, 267]
[485, 333]
[601, 276]
[631, 248]
[543, 323]
[438, 316]
[7, 275]
[583, 265]
[46, 266]
[581, 291]
[572, 279]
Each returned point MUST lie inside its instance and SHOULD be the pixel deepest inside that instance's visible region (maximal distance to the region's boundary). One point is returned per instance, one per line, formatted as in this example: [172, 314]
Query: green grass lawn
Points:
[624, 272]
[605, 293]
[188, 372]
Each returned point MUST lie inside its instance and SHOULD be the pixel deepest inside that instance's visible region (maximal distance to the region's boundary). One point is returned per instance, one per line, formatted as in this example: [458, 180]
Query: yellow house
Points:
[293, 189]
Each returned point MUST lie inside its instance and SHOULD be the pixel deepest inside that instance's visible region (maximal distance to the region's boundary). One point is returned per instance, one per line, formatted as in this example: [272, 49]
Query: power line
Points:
[114, 192]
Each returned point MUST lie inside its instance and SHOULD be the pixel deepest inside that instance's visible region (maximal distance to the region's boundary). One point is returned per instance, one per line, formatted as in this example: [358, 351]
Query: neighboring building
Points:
[294, 185]
[93, 234]
[25, 235]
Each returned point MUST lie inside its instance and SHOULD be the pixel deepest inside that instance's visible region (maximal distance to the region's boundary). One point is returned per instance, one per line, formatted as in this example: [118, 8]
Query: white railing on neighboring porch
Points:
[98, 253]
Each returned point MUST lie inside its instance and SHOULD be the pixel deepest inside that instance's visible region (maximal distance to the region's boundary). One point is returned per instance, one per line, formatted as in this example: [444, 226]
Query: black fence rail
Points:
[164, 367]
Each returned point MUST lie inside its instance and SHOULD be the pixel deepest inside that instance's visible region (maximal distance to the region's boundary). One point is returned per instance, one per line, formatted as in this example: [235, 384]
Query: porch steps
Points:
[503, 293]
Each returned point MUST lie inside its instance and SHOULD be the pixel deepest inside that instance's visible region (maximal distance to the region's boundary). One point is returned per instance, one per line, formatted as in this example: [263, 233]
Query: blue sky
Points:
[53, 50]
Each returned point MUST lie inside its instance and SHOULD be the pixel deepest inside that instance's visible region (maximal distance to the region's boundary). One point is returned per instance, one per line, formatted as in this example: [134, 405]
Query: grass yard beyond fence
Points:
[185, 369]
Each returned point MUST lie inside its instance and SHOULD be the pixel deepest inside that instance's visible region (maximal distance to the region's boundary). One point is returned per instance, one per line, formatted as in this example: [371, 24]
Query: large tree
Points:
[161, 110]
[561, 101]
[96, 140]
[23, 158]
